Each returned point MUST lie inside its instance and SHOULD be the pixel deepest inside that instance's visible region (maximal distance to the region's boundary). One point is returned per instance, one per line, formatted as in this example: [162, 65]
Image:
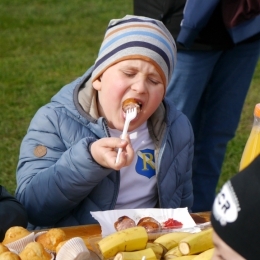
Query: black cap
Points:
[236, 212]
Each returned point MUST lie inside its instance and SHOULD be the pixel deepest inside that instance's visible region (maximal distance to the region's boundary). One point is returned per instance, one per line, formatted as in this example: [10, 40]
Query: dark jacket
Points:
[202, 27]
[12, 213]
[63, 184]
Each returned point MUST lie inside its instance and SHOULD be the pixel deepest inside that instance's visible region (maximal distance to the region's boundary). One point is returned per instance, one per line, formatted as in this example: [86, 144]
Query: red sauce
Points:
[172, 223]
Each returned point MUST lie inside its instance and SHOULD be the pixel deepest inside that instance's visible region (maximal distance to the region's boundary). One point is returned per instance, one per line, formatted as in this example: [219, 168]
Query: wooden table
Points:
[201, 217]
[85, 231]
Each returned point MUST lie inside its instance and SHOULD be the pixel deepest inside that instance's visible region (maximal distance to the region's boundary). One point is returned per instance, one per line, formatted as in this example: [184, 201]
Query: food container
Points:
[73, 249]
[107, 218]
[20, 244]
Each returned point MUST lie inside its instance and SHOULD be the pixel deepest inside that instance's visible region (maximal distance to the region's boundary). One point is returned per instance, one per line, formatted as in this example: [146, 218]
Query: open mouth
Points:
[131, 103]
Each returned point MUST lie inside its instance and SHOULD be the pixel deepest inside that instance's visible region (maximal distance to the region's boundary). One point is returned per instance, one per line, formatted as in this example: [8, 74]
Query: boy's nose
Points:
[139, 86]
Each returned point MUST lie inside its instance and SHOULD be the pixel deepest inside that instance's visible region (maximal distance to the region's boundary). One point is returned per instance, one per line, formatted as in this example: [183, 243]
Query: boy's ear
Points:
[97, 84]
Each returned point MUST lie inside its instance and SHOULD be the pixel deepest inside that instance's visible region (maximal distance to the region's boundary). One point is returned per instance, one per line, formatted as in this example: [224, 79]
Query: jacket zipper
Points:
[161, 151]
[117, 172]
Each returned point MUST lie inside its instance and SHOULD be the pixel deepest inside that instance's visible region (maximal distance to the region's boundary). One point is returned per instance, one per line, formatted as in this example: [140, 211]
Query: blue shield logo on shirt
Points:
[145, 164]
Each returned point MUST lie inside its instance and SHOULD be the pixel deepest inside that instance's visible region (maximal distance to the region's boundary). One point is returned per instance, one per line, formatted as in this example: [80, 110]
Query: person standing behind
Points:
[217, 55]
[12, 212]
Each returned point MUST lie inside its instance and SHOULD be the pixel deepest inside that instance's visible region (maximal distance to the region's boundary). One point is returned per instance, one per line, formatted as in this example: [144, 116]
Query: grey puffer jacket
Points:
[59, 182]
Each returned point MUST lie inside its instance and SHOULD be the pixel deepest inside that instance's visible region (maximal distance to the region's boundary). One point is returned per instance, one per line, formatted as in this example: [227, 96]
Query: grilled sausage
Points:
[124, 222]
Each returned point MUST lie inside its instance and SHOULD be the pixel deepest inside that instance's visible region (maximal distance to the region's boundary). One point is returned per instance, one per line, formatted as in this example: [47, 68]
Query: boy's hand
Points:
[104, 151]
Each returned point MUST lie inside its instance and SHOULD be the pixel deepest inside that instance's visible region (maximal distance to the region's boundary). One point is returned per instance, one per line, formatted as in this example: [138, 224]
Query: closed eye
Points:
[129, 74]
[154, 81]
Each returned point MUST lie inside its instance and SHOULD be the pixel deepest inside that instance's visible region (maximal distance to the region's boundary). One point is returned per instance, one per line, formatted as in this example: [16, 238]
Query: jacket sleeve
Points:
[195, 17]
[50, 186]
[12, 213]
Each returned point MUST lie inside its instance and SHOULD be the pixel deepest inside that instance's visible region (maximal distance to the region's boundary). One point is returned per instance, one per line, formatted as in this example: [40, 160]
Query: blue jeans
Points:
[210, 88]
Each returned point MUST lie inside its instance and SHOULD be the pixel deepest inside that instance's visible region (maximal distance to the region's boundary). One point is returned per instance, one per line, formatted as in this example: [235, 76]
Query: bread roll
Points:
[9, 256]
[59, 246]
[52, 238]
[15, 233]
[35, 251]
[3, 248]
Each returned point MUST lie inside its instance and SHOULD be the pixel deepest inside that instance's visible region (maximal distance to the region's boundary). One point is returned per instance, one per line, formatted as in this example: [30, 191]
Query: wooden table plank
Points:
[201, 217]
[84, 232]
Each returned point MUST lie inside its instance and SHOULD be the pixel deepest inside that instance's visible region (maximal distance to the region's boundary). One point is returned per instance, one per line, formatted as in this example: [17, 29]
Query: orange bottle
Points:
[252, 148]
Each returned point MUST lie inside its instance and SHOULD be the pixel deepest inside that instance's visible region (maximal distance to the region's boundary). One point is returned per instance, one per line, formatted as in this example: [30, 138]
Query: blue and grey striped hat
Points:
[137, 37]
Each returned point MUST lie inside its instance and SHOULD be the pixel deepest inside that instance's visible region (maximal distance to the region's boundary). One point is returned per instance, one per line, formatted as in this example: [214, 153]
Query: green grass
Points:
[45, 44]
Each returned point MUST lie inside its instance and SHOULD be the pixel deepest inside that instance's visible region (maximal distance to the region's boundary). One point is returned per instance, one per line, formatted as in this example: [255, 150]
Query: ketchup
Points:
[172, 223]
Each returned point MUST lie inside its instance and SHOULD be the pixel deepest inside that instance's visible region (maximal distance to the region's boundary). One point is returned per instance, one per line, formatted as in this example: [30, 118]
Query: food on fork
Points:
[131, 103]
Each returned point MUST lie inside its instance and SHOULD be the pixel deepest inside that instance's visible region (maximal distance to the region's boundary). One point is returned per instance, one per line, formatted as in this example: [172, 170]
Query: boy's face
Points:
[136, 79]
[223, 251]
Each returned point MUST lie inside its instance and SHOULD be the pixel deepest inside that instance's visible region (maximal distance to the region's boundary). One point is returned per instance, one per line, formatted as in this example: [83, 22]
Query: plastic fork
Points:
[130, 115]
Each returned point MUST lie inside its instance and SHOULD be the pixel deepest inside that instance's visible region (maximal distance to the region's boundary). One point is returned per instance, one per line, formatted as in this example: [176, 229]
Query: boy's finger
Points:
[127, 138]
[116, 142]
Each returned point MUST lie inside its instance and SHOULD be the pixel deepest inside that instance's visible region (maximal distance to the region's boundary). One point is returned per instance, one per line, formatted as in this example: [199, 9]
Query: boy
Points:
[235, 216]
[67, 159]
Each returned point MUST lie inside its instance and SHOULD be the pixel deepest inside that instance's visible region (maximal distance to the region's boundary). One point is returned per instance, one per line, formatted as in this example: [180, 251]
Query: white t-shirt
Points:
[138, 184]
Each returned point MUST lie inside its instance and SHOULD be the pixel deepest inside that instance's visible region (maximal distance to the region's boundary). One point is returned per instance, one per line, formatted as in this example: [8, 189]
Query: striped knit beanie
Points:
[137, 37]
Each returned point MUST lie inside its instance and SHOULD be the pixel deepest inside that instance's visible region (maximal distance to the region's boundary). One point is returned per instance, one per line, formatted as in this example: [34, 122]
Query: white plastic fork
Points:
[130, 115]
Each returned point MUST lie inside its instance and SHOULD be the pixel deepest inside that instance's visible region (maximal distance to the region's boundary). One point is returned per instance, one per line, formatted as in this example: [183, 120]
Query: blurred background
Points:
[45, 44]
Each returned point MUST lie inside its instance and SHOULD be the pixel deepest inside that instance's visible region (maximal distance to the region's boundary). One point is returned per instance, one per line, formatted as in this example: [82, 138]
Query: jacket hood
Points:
[69, 98]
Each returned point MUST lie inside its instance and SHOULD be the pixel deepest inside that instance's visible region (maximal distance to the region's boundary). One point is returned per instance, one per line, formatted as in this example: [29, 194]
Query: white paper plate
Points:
[107, 218]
